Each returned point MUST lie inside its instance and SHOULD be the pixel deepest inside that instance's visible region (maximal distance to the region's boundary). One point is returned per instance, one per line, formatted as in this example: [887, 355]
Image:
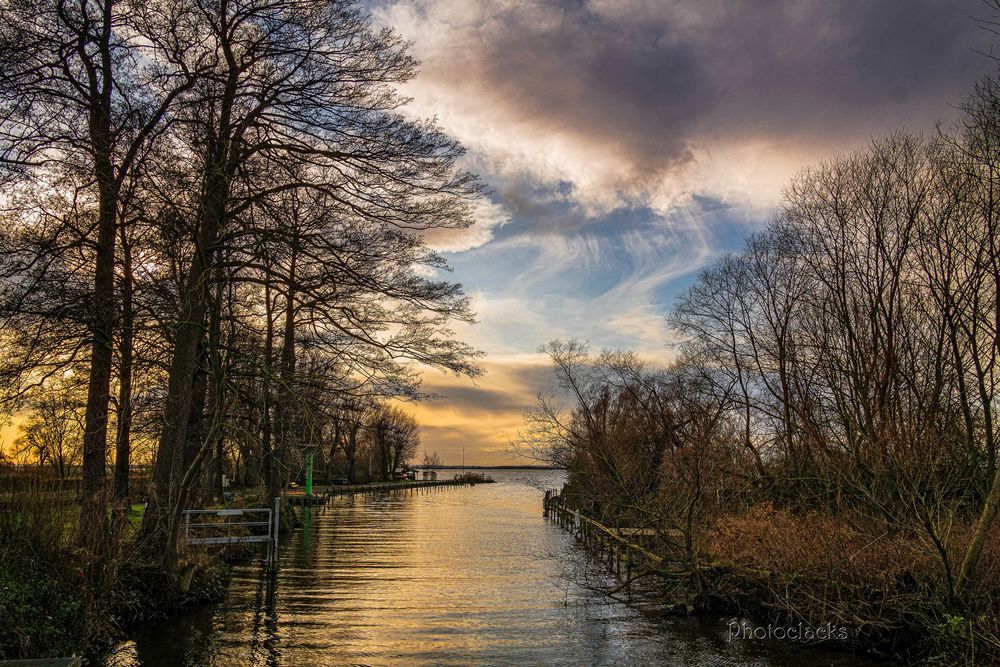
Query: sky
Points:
[628, 143]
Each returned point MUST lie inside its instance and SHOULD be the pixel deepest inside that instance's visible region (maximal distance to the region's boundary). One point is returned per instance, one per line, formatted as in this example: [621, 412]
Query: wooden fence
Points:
[68, 489]
[618, 547]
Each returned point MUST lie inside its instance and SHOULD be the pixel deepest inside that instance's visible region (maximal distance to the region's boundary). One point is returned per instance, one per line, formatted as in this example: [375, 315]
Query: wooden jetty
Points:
[315, 499]
[326, 494]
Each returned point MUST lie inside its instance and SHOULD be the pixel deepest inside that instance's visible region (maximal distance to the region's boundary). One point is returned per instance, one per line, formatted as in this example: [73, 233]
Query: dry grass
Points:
[889, 588]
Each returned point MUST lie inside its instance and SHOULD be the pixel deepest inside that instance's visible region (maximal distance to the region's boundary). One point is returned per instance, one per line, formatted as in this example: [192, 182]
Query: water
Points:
[455, 576]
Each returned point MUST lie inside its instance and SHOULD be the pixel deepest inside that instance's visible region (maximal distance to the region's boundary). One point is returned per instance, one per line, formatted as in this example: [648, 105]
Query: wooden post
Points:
[277, 531]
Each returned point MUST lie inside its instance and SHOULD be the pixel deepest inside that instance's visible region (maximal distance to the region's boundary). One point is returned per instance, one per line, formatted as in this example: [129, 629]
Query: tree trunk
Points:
[337, 435]
[286, 411]
[159, 529]
[93, 516]
[93, 519]
[216, 393]
[351, 452]
[267, 435]
[160, 523]
[983, 526]
[197, 430]
[123, 435]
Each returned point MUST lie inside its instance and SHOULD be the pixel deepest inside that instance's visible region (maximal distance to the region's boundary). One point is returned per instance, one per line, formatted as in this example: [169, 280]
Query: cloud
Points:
[580, 113]
[629, 100]
[473, 398]
[480, 417]
[488, 215]
[607, 281]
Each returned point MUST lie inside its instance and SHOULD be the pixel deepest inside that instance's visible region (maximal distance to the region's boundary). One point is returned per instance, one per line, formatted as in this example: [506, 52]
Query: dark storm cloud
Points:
[474, 398]
[650, 79]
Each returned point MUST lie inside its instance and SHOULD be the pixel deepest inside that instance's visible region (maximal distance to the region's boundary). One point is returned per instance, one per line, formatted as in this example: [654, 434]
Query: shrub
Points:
[39, 613]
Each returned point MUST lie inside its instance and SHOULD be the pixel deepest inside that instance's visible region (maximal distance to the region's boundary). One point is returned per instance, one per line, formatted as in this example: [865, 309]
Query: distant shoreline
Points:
[460, 467]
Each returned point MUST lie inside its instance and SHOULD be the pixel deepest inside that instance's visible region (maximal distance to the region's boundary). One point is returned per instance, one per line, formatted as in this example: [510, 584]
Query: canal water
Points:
[450, 576]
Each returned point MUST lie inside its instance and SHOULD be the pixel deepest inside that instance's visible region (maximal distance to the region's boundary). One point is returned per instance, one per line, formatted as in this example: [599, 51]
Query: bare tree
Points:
[53, 433]
[303, 106]
[431, 460]
[77, 95]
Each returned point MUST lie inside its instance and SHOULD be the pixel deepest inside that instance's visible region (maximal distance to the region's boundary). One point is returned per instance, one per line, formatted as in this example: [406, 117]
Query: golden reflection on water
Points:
[454, 576]
[436, 576]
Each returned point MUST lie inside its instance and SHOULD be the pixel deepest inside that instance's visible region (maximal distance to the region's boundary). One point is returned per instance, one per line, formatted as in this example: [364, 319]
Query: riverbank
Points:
[804, 578]
[49, 607]
[58, 599]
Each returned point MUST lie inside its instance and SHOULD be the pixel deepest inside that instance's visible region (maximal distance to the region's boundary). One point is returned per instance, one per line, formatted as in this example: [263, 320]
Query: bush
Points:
[40, 587]
[39, 613]
[49, 607]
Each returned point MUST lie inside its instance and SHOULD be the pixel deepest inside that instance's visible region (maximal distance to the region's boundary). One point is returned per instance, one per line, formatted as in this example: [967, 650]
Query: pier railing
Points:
[398, 487]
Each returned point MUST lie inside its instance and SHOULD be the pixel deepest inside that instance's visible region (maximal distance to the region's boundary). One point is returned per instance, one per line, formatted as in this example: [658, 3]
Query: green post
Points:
[309, 474]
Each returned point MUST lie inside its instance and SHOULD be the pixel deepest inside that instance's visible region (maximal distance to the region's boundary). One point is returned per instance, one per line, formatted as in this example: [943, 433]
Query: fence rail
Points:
[236, 527]
[19, 480]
